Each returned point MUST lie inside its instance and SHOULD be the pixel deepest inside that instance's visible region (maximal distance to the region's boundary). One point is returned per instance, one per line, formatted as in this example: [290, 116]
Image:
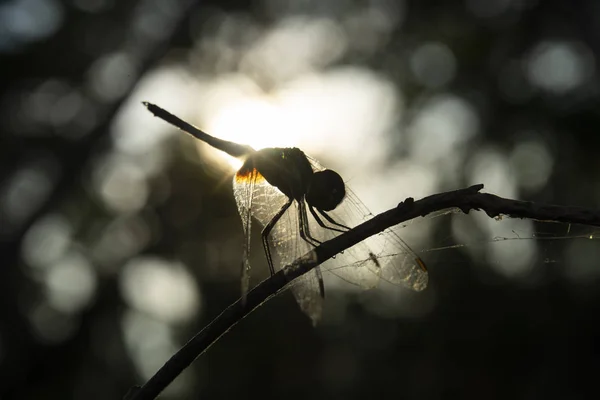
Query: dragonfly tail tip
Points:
[151, 107]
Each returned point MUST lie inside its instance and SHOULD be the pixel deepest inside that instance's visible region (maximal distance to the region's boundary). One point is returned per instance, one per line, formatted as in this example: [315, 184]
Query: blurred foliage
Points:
[119, 238]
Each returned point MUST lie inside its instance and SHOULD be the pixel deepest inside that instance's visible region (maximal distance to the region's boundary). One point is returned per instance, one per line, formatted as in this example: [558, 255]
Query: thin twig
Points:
[464, 199]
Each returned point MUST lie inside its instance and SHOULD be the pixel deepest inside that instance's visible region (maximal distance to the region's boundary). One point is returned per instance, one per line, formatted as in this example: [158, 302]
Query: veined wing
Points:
[257, 198]
[396, 261]
[244, 184]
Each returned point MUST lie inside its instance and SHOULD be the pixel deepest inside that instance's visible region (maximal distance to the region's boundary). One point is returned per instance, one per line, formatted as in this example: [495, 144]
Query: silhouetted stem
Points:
[464, 199]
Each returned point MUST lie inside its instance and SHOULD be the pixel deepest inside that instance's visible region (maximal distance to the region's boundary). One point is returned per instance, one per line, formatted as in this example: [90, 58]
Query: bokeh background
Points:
[120, 238]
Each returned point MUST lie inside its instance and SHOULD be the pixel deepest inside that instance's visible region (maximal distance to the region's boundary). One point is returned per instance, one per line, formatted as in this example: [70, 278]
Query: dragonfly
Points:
[300, 204]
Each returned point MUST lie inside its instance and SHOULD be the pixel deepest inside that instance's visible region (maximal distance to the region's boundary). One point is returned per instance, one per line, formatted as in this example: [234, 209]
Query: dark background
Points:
[115, 249]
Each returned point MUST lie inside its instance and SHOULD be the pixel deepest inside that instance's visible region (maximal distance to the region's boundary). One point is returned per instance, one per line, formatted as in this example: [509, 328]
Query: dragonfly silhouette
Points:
[277, 186]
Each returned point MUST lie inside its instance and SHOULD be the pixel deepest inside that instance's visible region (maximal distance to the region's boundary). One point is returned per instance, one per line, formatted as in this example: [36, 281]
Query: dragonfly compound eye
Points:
[326, 190]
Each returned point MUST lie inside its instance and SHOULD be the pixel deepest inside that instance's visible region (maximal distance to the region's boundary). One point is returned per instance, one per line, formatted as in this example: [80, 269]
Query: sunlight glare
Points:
[255, 121]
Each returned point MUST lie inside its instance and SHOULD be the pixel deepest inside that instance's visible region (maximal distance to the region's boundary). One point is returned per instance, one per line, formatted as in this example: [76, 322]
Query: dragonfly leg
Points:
[306, 236]
[267, 230]
[333, 221]
[304, 228]
[322, 224]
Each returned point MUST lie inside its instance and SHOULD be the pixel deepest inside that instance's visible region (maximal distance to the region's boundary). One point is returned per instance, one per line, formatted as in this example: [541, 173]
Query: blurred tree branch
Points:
[465, 199]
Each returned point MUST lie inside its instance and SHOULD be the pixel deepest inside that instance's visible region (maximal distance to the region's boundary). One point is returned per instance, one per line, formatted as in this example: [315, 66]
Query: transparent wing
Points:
[385, 255]
[288, 245]
[255, 197]
[244, 196]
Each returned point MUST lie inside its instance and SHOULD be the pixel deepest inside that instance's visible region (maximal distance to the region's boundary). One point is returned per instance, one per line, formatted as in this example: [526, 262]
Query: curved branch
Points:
[465, 199]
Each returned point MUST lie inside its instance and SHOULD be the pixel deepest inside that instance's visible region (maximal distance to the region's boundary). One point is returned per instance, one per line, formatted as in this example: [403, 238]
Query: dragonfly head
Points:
[326, 190]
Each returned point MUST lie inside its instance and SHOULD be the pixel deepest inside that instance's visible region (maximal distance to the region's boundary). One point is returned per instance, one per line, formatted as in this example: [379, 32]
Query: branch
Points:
[464, 199]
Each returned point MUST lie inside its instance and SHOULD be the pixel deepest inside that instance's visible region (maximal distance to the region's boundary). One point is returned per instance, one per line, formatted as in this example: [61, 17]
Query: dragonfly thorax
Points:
[289, 170]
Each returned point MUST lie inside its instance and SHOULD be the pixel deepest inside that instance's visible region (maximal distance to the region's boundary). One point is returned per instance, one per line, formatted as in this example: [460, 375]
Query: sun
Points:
[255, 121]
